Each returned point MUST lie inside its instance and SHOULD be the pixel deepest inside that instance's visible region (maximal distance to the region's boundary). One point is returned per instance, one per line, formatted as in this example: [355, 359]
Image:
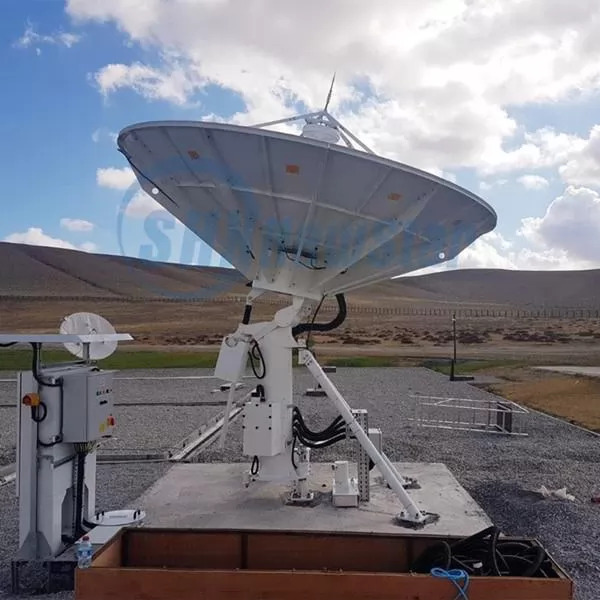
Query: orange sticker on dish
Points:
[394, 196]
[193, 154]
[293, 169]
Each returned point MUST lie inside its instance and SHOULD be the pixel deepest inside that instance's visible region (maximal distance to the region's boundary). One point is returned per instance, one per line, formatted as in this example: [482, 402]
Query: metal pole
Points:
[453, 364]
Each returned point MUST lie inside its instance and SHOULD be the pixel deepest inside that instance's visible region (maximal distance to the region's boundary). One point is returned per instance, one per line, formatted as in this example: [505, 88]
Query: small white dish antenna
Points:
[84, 323]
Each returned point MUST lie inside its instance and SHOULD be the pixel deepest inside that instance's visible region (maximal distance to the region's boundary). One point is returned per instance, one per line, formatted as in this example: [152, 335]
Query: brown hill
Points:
[510, 287]
[35, 272]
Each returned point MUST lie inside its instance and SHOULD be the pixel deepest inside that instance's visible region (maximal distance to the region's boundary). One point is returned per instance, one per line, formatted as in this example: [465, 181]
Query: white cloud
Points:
[542, 148]
[583, 168]
[32, 38]
[533, 182]
[486, 186]
[551, 248]
[174, 84]
[142, 205]
[433, 101]
[99, 133]
[116, 179]
[571, 225]
[490, 251]
[35, 236]
[76, 224]
[89, 247]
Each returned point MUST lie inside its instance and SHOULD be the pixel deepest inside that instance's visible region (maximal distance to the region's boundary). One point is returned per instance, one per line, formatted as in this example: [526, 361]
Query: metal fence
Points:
[406, 310]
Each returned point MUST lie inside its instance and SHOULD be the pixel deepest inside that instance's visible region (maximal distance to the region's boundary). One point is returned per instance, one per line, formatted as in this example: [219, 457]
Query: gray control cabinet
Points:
[88, 406]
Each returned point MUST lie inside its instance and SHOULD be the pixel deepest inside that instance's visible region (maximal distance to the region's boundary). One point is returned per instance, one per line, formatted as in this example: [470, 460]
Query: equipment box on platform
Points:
[181, 564]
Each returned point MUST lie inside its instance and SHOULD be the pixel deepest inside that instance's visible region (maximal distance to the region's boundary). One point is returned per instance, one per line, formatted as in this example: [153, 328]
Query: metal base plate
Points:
[118, 518]
[411, 483]
[429, 519]
[294, 500]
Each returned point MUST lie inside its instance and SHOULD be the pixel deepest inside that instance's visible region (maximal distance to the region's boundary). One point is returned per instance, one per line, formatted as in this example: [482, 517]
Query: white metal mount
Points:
[268, 428]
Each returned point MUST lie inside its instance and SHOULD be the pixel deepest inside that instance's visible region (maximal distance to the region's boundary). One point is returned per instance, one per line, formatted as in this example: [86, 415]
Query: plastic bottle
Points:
[84, 552]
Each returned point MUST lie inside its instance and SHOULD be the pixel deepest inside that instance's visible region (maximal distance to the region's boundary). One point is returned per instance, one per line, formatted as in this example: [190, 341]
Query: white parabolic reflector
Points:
[299, 215]
[84, 323]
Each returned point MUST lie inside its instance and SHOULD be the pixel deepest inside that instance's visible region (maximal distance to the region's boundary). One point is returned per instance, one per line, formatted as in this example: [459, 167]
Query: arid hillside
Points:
[40, 272]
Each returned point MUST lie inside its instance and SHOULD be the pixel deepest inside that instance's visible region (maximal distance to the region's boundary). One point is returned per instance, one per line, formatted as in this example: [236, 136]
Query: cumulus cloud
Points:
[488, 252]
[583, 168]
[116, 179]
[76, 224]
[533, 182]
[566, 237]
[408, 81]
[174, 84]
[571, 225]
[35, 236]
[31, 38]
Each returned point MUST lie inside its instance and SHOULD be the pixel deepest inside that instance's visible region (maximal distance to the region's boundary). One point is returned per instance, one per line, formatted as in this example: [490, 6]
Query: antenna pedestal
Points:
[275, 436]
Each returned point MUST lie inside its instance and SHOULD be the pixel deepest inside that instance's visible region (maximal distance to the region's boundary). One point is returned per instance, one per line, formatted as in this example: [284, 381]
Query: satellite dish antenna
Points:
[309, 217]
[302, 215]
[84, 323]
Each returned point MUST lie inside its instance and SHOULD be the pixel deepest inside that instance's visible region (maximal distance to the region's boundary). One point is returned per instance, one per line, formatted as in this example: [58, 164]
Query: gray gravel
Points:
[8, 422]
[151, 429]
[497, 471]
[166, 390]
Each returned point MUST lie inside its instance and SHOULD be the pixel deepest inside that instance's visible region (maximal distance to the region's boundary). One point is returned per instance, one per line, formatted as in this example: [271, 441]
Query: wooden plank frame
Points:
[223, 564]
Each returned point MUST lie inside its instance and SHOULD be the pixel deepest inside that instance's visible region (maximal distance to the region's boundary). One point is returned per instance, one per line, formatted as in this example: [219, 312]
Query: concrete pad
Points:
[585, 371]
[213, 496]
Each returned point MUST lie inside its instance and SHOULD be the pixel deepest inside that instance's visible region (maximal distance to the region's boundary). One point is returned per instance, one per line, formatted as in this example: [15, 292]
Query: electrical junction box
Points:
[232, 360]
[345, 488]
[262, 429]
[87, 406]
[376, 436]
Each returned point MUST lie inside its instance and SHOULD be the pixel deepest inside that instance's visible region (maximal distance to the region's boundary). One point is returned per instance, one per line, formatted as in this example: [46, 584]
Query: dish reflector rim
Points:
[277, 135]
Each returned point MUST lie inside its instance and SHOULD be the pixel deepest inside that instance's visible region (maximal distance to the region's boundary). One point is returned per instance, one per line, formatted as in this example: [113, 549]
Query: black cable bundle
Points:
[332, 434]
[255, 354]
[486, 555]
[335, 432]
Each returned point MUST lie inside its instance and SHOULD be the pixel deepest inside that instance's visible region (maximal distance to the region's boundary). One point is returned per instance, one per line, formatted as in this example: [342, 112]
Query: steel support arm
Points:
[411, 512]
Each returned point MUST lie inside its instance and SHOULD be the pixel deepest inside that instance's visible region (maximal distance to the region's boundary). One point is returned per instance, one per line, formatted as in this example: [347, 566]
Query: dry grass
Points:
[576, 399]
[199, 326]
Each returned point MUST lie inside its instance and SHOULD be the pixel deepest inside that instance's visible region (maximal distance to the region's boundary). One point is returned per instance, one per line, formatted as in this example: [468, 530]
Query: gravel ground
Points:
[498, 472]
[164, 390]
[152, 429]
[8, 422]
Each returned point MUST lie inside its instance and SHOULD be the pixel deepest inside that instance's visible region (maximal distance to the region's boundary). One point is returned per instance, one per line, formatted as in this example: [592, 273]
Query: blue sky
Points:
[527, 150]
